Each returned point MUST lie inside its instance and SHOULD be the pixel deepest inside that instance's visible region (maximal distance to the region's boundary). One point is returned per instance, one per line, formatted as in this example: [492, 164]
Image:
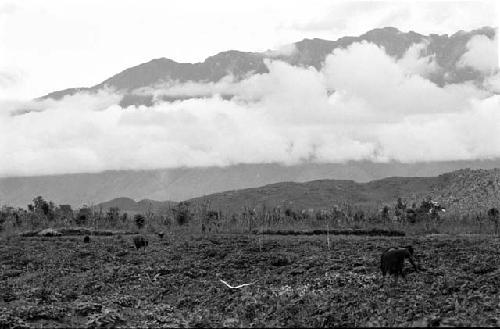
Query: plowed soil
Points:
[294, 281]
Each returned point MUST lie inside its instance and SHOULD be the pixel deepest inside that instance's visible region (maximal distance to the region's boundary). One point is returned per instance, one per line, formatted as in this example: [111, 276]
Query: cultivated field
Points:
[297, 281]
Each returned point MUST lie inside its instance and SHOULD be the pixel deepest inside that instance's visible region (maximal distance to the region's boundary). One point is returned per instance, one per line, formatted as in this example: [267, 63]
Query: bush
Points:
[44, 209]
[124, 217]
[84, 214]
[140, 221]
[113, 215]
[182, 213]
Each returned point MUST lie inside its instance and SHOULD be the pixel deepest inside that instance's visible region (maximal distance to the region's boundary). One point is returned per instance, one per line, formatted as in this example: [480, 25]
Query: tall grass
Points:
[246, 221]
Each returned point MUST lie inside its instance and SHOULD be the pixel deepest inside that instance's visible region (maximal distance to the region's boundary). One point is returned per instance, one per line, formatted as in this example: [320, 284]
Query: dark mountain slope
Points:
[321, 194]
[461, 192]
[185, 183]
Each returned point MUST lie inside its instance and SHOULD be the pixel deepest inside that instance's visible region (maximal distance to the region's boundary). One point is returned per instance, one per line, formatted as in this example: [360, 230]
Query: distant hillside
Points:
[461, 191]
[142, 206]
[321, 194]
[186, 183]
[446, 50]
[469, 190]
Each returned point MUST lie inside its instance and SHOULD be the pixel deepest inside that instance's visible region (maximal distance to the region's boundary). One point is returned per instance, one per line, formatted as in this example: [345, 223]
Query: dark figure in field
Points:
[494, 216]
[140, 241]
[86, 239]
[393, 259]
[161, 234]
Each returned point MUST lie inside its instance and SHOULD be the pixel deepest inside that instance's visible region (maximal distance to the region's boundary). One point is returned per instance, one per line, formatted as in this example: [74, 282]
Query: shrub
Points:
[43, 208]
[182, 213]
[124, 217]
[113, 215]
[84, 214]
[140, 221]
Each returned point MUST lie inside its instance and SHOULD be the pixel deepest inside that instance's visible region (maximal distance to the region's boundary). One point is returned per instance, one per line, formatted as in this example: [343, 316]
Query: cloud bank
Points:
[362, 104]
[481, 54]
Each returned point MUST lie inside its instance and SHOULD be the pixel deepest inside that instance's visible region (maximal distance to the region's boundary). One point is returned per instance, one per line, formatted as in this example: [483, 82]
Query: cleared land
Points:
[297, 281]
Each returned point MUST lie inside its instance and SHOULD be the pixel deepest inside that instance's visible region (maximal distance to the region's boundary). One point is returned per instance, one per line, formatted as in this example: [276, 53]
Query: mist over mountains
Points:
[186, 183]
[382, 104]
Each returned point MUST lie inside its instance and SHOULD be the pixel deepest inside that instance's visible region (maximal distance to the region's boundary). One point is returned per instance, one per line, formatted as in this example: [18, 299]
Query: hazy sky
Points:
[56, 44]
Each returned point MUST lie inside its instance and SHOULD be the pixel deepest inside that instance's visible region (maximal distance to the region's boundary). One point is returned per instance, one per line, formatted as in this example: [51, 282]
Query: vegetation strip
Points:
[371, 232]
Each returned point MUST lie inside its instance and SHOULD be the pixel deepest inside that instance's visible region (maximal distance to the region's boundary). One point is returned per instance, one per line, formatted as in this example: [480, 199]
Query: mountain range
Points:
[462, 192]
[186, 183]
[446, 50]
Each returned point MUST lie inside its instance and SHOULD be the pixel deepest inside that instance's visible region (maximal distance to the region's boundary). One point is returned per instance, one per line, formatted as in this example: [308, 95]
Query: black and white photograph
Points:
[249, 163]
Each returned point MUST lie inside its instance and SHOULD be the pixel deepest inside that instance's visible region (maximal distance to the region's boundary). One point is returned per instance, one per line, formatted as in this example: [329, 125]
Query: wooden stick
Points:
[236, 287]
[328, 235]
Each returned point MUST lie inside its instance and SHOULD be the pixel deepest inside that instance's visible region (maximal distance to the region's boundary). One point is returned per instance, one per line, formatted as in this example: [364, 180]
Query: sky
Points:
[362, 104]
[57, 44]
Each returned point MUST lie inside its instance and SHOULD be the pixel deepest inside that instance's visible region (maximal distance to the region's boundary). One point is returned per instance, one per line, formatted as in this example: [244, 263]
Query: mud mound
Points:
[69, 231]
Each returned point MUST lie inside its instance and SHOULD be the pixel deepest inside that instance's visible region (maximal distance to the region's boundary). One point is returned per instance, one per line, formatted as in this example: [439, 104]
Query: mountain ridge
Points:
[463, 192]
[308, 52]
[141, 206]
[187, 183]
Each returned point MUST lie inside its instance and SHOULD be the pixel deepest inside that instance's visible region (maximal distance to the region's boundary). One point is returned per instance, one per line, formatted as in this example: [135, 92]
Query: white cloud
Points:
[381, 110]
[284, 50]
[492, 83]
[8, 8]
[413, 61]
[8, 79]
[481, 54]
[387, 88]
[225, 85]
[447, 136]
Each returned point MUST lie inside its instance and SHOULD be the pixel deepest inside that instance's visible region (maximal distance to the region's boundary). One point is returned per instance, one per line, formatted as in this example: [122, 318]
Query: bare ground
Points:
[296, 281]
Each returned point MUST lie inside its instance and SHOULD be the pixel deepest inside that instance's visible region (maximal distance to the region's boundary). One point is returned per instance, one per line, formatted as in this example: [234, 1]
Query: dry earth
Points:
[297, 281]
